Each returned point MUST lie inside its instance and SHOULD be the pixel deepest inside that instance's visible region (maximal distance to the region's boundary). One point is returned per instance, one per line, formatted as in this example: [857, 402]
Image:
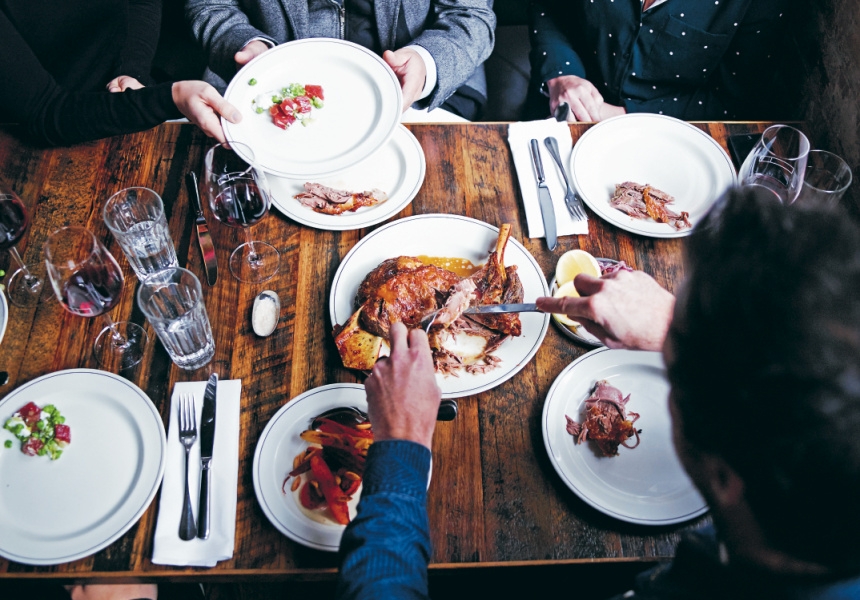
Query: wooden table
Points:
[494, 499]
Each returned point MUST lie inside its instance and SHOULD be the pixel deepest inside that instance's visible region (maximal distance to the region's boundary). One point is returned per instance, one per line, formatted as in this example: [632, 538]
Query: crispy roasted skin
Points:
[357, 348]
[385, 271]
[607, 428]
[508, 323]
[498, 285]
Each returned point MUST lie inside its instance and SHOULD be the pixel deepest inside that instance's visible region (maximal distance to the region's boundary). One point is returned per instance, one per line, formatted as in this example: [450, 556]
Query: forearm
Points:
[552, 54]
[141, 41]
[386, 548]
[459, 39]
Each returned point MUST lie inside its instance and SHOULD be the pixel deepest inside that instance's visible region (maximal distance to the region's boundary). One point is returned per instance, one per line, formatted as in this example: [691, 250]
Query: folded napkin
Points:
[519, 136]
[168, 549]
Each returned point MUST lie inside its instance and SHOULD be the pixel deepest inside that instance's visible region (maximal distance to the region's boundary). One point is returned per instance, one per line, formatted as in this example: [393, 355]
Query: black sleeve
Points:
[144, 27]
[56, 116]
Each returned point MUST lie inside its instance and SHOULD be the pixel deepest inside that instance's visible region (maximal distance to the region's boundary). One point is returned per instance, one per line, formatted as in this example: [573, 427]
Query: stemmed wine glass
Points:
[23, 287]
[88, 281]
[777, 162]
[239, 196]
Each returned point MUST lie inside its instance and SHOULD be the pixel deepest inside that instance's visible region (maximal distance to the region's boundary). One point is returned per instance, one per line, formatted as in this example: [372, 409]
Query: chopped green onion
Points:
[259, 110]
[252, 81]
[8, 443]
[316, 102]
[2, 273]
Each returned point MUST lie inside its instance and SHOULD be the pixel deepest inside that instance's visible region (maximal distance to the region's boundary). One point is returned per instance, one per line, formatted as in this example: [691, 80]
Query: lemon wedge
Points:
[566, 289]
[574, 262]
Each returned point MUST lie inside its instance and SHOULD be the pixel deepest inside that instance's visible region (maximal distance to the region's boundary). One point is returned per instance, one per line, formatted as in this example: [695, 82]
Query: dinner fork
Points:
[574, 204]
[187, 435]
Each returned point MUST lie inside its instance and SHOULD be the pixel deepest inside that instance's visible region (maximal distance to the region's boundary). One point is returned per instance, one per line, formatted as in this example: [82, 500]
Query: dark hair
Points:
[766, 366]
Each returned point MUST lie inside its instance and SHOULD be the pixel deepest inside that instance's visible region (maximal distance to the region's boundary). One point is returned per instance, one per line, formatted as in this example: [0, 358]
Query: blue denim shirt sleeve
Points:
[386, 548]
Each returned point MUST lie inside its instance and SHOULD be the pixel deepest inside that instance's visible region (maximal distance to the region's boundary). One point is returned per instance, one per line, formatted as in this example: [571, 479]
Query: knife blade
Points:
[501, 308]
[207, 248]
[544, 199]
[207, 444]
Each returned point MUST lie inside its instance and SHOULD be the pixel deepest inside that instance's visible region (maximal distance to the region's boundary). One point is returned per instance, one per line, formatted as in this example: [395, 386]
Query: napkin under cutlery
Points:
[168, 549]
[519, 135]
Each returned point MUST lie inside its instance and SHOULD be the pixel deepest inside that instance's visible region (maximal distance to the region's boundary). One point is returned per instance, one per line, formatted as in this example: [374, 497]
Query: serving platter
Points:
[54, 512]
[671, 155]
[361, 109]
[441, 235]
[645, 485]
[397, 168]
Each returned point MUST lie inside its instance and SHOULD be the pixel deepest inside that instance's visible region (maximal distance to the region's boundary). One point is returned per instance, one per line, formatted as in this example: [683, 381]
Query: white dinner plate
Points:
[671, 155]
[58, 511]
[361, 109]
[448, 236]
[645, 485]
[4, 314]
[273, 460]
[397, 169]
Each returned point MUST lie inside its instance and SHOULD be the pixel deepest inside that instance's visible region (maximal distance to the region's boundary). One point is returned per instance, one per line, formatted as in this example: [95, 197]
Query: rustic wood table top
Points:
[494, 496]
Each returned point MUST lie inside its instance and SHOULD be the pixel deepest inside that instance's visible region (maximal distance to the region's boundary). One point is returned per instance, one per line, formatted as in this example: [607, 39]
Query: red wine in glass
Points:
[13, 221]
[92, 290]
[240, 203]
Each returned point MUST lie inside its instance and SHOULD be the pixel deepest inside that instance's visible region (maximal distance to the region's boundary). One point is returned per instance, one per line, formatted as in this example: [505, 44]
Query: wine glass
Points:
[23, 288]
[88, 281]
[827, 179]
[777, 162]
[239, 196]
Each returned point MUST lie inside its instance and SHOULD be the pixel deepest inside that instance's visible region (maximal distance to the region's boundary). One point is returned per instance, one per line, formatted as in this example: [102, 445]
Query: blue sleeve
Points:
[552, 54]
[386, 548]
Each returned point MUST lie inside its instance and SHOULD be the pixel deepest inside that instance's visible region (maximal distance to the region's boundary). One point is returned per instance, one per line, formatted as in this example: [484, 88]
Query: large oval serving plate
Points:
[645, 485]
[448, 236]
[361, 109]
[671, 155]
[58, 511]
[397, 168]
[273, 460]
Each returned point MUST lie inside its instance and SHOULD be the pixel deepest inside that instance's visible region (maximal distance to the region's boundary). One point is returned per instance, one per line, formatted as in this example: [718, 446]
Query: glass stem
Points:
[29, 279]
[116, 337]
[253, 257]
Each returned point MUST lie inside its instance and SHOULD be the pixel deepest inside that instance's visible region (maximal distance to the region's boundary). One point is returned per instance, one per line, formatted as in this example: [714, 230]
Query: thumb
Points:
[394, 61]
[221, 106]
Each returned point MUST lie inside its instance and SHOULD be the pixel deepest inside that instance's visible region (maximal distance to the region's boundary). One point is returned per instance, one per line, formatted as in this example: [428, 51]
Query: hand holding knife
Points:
[207, 444]
[210, 263]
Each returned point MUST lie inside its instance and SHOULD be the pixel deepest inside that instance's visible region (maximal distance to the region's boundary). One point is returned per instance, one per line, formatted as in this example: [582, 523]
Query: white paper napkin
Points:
[519, 136]
[168, 549]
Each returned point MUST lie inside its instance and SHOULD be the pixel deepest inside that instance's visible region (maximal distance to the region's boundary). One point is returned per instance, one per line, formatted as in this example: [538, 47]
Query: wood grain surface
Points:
[494, 498]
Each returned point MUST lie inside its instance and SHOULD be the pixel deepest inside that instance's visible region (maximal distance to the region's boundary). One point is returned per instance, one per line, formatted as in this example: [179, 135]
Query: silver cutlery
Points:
[501, 308]
[187, 435]
[207, 444]
[544, 198]
[571, 200]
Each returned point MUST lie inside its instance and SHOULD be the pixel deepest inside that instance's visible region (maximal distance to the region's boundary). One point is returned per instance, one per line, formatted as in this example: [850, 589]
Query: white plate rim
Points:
[268, 431]
[376, 214]
[154, 486]
[242, 75]
[650, 358]
[616, 217]
[508, 374]
[4, 315]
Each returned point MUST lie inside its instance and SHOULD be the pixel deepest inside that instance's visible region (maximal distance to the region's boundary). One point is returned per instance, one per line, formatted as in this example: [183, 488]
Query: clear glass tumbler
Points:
[172, 301]
[135, 217]
[827, 179]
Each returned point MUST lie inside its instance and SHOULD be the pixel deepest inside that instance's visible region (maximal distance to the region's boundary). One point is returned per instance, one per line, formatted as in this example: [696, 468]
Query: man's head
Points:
[765, 368]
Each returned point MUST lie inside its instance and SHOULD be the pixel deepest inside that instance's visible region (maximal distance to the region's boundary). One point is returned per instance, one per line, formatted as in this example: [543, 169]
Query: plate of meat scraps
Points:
[429, 256]
[368, 193]
[627, 469]
[634, 168]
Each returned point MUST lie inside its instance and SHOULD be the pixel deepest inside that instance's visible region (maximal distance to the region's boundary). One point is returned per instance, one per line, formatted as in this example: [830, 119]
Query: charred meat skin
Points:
[497, 284]
[646, 202]
[330, 201]
[607, 422]
[385, 271]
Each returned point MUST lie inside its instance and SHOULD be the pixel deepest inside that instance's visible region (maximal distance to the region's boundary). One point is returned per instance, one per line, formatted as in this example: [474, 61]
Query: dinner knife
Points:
[501, 308]
[207, 248]
[544, 199]
[207, 443]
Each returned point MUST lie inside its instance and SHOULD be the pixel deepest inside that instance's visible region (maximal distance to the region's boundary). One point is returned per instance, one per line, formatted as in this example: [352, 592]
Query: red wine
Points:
[240, 204]
[13, 221]
[92, 290]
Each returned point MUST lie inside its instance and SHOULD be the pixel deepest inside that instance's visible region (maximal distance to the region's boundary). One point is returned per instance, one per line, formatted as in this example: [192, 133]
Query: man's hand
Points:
[410, 70]
[123, 83]
[402, 394]
[623, 310]
[250, 51]
[586, 103]
[202, 104]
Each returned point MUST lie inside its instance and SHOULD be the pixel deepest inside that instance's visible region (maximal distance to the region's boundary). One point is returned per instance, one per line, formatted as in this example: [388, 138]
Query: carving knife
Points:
[207, 443]
[500, 308]
[210, 263]
[544, 199]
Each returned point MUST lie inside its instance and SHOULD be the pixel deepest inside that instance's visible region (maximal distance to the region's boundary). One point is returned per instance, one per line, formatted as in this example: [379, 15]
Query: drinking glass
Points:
[172, 301]
[777, 162]
[88, 281]
[826, 180]
[239, 196]
[135, 217]
[23, 288]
